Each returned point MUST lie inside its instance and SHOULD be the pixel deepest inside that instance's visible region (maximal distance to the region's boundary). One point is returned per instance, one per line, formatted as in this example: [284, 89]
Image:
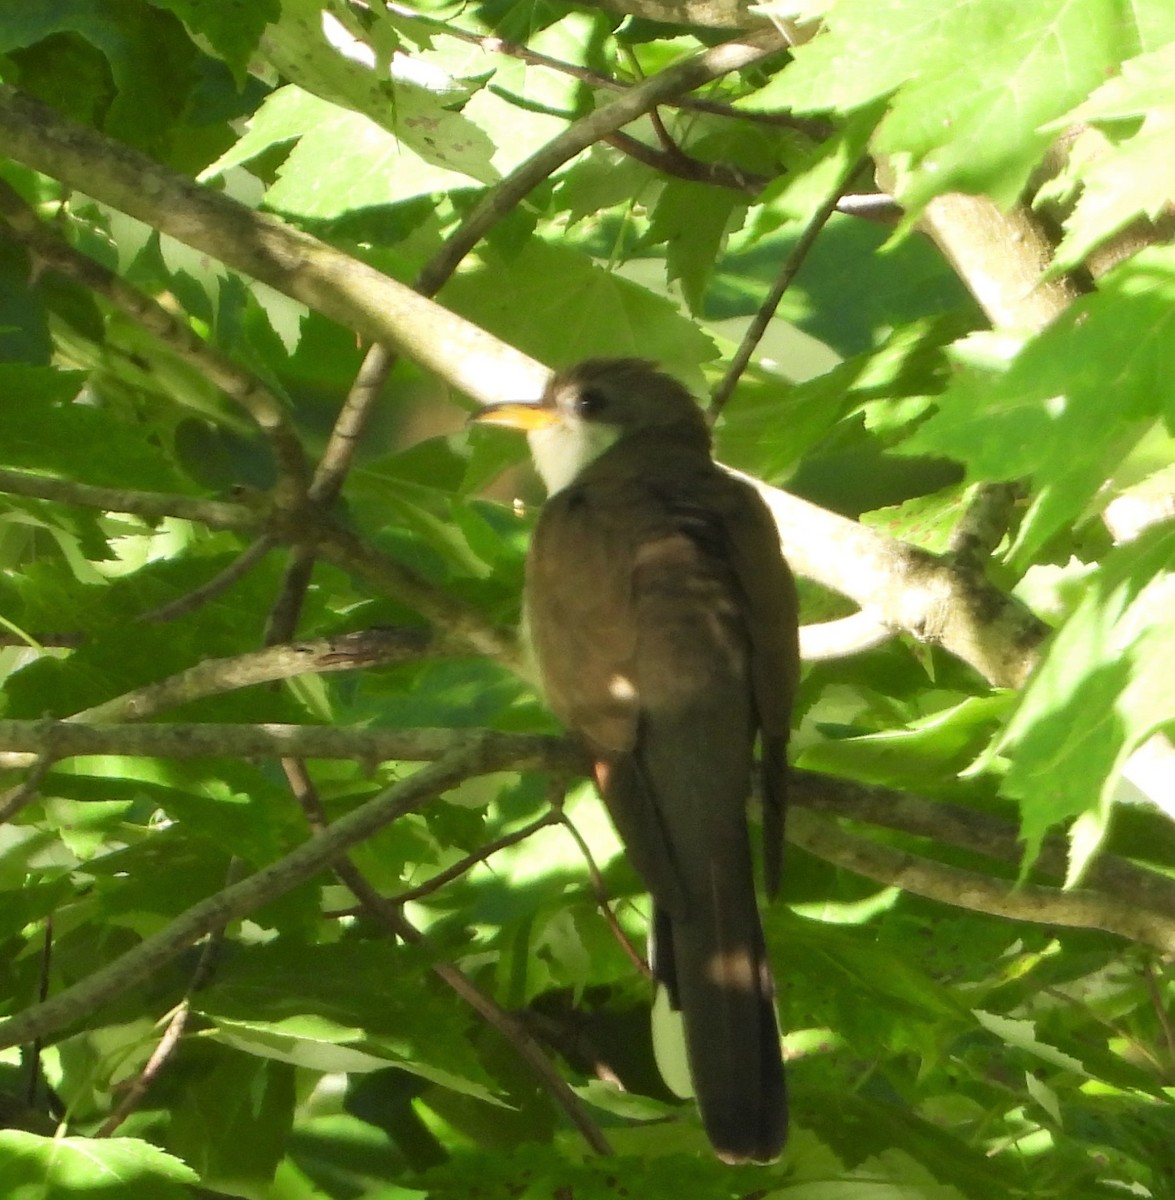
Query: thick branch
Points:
[976, 831]
[1078, 909]
[22, 741]
[261, 246]
[908, 588]
[1123, 887]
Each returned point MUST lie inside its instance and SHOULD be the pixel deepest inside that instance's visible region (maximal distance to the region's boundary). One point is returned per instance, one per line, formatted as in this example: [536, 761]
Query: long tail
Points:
[714, 965]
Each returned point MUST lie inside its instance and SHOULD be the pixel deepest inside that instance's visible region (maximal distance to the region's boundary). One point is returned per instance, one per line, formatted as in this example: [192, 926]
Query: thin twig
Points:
[215, 676]
[282, 622]
[685, 166]
[762, 318]
[25, 793]
[137, 1088]
[216, 586]
[32, 1094]
[602, 898]
[435, 882]
[216, 514]
[681, 77]
[328, 480]
[350, 423]
[463, 865]
[493, 44]
[177, 1024]
[393, 919]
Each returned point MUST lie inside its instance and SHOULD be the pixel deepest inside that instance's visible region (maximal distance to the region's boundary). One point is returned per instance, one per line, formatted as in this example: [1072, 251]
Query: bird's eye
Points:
[590, 402]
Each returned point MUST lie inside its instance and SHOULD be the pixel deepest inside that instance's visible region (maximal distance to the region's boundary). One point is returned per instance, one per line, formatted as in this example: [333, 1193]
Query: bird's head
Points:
[586, 409]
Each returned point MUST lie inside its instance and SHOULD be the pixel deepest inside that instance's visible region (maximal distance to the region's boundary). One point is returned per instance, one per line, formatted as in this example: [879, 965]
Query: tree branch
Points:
[1077, 908]
[214, 676]
[216, 514]
[684, 166]
[976, 831]
[909, 588]
[790, 268]
[465, 757]
[1131, 900]
[343, 288]
[681, 77]
[22, 741]
[216, 586]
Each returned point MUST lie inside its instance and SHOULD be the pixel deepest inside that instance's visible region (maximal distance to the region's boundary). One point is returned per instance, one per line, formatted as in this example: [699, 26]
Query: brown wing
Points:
[772, 617]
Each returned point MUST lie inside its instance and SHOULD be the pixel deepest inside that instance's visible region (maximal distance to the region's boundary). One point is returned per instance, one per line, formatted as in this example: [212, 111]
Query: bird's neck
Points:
[561, 452]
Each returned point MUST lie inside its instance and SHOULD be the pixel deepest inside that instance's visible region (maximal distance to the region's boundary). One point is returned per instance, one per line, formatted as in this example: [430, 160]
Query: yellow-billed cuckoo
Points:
[663, 620]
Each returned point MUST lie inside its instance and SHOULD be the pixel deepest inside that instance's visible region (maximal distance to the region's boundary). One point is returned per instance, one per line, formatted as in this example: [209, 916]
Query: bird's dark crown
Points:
[629, 393]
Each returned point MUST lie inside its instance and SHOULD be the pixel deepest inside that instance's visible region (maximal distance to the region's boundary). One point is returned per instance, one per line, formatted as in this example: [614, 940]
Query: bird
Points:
[662, 618]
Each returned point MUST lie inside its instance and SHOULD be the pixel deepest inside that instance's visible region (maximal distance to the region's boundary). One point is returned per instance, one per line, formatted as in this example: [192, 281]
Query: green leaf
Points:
[418, 116]
[694, 219]
[49, 1168]
[972, 81]
[1135, 175]
[600, 179]
[558, 305]
[345, 160]
[232, 30]
[1046, 418]
[334, 1008]
[49, 427]
[925, 753]
[231, 1118]
[1104, 687]
[152, 62]
[1022, 1035]
[769, 426]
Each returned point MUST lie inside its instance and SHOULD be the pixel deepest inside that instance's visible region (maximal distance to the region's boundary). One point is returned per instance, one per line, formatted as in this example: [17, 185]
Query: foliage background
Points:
[968, 398]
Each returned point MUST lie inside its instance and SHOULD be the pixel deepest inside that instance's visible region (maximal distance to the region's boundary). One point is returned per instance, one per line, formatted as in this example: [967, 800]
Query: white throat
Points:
[561, 451]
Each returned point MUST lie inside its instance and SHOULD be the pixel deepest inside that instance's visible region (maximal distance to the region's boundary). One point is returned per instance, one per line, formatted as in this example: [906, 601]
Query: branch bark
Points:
[470, 756]
[23, 741]
[1126, 899]
[1077, 908]
[261, 246]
